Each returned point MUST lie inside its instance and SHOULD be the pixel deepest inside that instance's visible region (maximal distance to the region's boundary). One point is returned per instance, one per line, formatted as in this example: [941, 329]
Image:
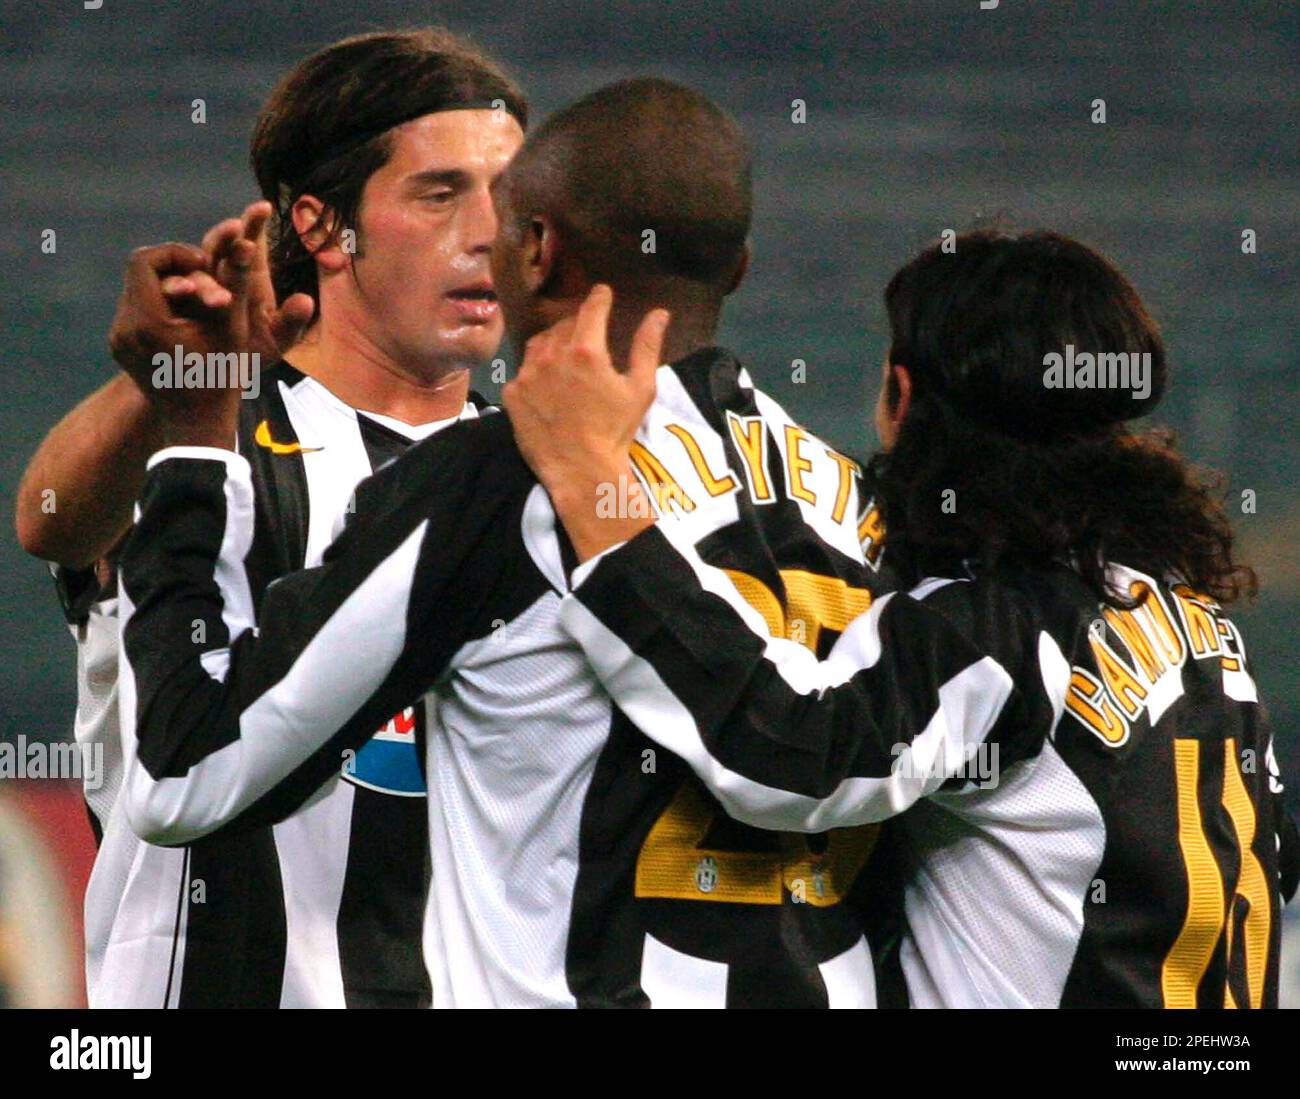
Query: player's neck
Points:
[361, 375]
[688, 331]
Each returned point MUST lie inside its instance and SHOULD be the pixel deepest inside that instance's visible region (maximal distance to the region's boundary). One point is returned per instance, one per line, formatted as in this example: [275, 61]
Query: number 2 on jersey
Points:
[674, 864]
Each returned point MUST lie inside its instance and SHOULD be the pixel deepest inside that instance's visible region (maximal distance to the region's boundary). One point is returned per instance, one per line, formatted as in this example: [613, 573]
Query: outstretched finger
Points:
[238, 266]
[591, 326]
[255, 219]
[218, 239]
[645, 356]
[236, 321]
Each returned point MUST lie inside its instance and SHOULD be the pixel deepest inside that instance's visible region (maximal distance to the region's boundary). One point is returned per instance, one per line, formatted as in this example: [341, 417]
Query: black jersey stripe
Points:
[235, 927]
[282, 500]
[384, 891]
[386, 882]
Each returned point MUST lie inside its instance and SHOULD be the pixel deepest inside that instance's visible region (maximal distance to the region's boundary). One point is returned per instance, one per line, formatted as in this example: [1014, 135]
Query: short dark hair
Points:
[1041, 474]
[325, 129]
[642, 154]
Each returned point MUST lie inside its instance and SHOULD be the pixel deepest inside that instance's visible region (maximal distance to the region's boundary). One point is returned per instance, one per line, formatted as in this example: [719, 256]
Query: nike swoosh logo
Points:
[262, 437]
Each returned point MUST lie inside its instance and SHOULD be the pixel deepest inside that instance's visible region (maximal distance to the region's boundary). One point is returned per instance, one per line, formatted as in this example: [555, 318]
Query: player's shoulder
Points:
[1006, 612]
[472, 458]
[713, 434]
[1028, 622]
[713, 384]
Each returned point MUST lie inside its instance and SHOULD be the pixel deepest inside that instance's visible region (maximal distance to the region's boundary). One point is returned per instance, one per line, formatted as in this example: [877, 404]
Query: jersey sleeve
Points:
[228, 726]
[784, 740]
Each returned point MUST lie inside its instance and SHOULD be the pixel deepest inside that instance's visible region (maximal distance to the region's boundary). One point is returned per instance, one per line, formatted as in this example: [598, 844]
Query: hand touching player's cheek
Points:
[575, 417]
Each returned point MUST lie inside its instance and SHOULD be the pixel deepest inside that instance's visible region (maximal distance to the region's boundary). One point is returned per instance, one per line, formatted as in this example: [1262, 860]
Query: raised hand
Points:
[216, 300]
[575, 417]
[236, 251]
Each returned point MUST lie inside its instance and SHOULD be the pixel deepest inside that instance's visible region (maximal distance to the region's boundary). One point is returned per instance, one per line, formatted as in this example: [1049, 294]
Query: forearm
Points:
[223, 725]
[599, 506]
[784, 741]
[76, 495]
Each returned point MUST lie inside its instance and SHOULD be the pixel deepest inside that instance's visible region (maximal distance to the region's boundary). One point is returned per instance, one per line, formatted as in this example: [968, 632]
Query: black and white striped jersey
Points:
[1093, 806]
[574, 863]
[323, 909]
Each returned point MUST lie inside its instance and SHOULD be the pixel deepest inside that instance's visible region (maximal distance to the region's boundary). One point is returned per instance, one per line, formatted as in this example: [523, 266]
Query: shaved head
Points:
[647, 182]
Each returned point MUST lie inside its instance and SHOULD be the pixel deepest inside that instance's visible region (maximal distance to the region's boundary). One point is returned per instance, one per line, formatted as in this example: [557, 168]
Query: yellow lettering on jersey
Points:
[1121, 681]
[1228, 660]
[848, 470]
[871, 535]
[658, 481]
[1198, 618]
[796, 464]
[1188, 959]
[750, 434]
[1153, 604]
[1087, 700]
[714, 486]
[1140, 646]
[1252, 885]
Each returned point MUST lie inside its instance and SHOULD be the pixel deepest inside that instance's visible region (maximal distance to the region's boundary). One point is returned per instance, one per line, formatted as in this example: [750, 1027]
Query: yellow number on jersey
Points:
[1208, 916]
[674, 864]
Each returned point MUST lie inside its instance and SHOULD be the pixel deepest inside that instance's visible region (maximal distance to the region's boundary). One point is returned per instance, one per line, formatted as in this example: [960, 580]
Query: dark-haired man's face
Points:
[422, 293]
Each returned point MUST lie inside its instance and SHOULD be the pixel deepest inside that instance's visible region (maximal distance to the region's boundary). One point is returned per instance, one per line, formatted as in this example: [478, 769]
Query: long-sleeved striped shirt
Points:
[574, 862]
[1091, 806]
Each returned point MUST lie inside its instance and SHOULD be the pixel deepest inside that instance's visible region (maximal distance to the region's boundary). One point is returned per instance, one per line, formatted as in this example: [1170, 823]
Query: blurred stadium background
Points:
[921, 115]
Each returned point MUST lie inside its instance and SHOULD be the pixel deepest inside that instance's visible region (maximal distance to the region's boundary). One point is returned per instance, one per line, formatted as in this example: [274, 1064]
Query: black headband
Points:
[472, 103]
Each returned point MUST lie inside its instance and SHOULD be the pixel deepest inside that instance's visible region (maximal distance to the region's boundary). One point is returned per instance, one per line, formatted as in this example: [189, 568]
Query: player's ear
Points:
[742, 267]
[314, 224]
[900, 393]
[541, 252]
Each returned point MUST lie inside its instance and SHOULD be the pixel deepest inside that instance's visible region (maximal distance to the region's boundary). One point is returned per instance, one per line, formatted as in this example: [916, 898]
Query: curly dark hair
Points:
[995, 466]
[325, 129]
